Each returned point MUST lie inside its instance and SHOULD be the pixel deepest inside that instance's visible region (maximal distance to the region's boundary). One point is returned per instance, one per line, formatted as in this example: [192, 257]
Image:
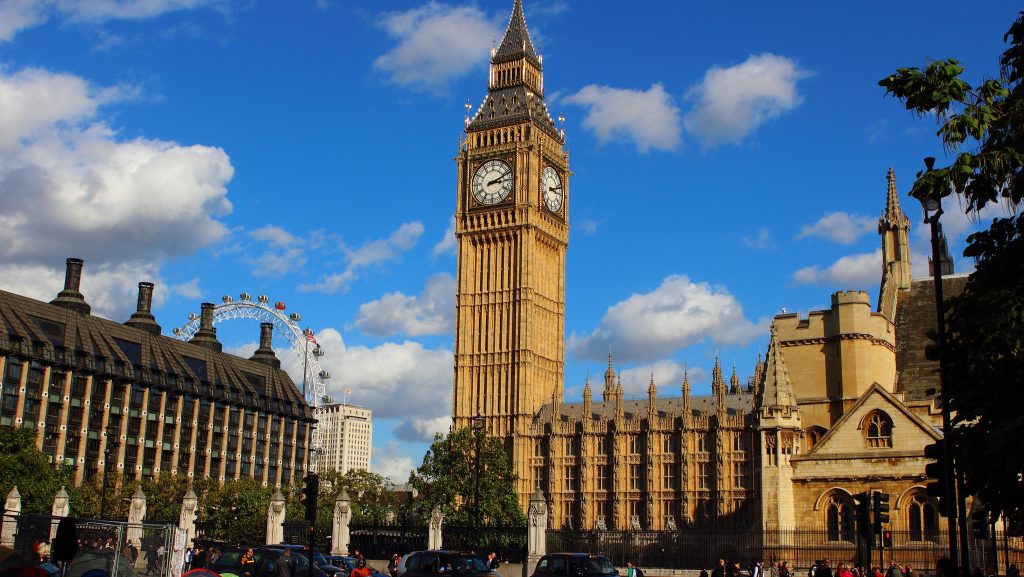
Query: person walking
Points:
[492, 561]
[703, 572]
[756, 569]
[824, 570]
[285, 564]
[784, 569]
[719, 570]
[361, 570]
[633, 571]
[393, 565]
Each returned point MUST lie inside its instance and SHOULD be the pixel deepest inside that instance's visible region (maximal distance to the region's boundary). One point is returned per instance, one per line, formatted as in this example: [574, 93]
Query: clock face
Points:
[551, 185]
[492, 182]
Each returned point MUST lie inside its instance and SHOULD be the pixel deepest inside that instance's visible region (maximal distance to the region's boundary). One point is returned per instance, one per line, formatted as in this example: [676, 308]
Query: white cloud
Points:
[418, 431]
[589, 225]
[376, 251]
[732, 102]
[110, 288]
[402, 381]
[436, 44]
[70, 187]
[648, 118]
[18, 15]
[391, 463]
[274, 235]
[668, 378]
[762, 241]
[840, 227]
[447, 244]
[677, 314]
[432, 312]
[856, 271]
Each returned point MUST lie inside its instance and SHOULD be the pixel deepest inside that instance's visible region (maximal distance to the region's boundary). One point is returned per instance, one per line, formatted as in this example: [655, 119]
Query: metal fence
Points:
[121, 549]
[694, 548]
[509, 543]
[381, 541]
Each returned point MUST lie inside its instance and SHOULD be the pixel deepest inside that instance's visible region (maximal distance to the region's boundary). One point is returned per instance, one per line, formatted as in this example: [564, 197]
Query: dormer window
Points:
[878, 430]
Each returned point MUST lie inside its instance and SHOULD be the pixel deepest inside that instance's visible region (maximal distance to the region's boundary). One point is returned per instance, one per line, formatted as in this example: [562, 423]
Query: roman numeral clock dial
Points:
[551, 189]
[492, 182]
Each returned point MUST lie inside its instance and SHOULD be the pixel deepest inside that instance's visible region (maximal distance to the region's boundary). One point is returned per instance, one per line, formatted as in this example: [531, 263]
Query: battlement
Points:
[851, 314]
[850, 297]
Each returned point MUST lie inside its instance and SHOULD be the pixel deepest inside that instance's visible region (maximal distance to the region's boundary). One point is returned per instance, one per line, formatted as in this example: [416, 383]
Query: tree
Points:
[28, 468]
[238, 510]
[982, 130]
[447, 479]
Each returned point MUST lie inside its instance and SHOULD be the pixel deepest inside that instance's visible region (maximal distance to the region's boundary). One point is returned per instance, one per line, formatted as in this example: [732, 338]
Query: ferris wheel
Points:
[301, 341]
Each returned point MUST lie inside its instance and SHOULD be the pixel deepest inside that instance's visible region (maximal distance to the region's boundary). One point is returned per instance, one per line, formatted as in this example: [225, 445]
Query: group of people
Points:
[200, 557]
[824, 568]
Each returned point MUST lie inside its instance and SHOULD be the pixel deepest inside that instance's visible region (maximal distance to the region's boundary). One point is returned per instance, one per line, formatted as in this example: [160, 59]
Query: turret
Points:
[894, 226]
[588, 410]
[652, 394]
[609, 380]
[734, 382]
[718, 389]
[685, 406]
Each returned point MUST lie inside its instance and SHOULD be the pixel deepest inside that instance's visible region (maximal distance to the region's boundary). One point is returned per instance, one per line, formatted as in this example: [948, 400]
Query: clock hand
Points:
[500, 178]
[554, 188]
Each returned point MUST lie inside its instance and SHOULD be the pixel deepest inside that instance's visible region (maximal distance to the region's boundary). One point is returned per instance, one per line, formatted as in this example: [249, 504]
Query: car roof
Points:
[577, 554]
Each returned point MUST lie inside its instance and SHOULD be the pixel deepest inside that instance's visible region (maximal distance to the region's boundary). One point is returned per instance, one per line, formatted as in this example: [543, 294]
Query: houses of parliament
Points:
[843, 402]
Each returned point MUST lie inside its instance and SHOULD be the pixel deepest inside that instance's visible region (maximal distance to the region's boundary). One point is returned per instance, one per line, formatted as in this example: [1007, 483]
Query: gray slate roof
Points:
[739, 403]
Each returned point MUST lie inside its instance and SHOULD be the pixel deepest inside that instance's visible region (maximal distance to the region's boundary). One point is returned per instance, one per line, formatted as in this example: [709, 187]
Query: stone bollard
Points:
[536, 536]
[339, 527]
[12, 509]
[275, 519]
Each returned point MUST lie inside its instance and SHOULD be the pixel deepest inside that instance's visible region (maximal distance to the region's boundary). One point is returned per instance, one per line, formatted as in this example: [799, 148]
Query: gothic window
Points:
[702, 442]
[839, 513]
[669, 446]
[538, 449]
[702, 476]
[602, 477]
[602, 446]
[570, 479]
[923, 519]
[769, 448]
[570, 446]
[634, 445]
[814, 435]
[878, 430]
[739, 475]
[634, 477]
[538, 478]
[670, 477]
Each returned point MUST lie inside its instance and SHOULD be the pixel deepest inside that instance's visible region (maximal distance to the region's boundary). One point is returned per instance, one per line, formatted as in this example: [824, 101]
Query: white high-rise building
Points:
[347, 433]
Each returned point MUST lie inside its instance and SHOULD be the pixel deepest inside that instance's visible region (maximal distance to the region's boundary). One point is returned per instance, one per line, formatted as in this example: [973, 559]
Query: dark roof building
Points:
[121, 397]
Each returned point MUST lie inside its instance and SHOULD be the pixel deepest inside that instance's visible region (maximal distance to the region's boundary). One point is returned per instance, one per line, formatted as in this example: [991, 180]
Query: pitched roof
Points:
[777, 389]
[63, 336]
[917, 377]
[516, 43]
[741, 403]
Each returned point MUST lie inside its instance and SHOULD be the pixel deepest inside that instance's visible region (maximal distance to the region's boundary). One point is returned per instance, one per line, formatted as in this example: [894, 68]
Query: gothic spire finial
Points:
[893, 210]
[734, 381]
[777, 390]
[516, 43]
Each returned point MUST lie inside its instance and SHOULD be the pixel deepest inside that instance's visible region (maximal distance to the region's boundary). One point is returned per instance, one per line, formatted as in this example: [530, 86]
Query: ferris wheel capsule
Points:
[246, 297]
[295, 317]
[264, 299]
[279, 305]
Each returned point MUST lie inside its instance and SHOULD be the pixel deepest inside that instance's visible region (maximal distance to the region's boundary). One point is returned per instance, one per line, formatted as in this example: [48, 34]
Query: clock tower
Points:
[512, 230]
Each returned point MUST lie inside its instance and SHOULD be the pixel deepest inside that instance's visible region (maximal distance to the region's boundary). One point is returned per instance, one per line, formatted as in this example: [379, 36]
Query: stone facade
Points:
[833, 410]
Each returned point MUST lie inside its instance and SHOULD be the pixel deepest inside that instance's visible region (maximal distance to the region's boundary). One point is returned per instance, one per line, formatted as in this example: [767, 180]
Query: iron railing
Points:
[508, 543]
[382, 541]
[691, 548]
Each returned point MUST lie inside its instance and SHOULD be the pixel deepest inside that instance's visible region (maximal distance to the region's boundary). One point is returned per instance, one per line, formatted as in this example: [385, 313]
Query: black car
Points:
[265, 562]
[317, 557]
[434, 563]
[574, 565]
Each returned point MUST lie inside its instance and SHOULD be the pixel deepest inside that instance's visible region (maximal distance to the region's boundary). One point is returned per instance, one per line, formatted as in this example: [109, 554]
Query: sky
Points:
[729, 162]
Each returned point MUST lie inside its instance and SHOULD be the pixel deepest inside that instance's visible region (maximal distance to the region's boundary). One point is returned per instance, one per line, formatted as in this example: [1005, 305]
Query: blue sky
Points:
[729, 161]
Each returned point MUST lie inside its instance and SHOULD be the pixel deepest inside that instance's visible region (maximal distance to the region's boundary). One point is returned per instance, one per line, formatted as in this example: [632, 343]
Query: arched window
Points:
[922, 519]
[813, 436]
[878, 430]
[839, 513]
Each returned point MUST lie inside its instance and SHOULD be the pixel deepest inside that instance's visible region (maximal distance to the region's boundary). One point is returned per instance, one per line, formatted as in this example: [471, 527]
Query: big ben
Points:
[512, 230]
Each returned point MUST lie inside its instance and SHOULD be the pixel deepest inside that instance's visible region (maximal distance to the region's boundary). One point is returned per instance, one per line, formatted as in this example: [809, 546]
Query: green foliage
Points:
[983, 129]
[447, 479]
[28, 468]
[238, 510]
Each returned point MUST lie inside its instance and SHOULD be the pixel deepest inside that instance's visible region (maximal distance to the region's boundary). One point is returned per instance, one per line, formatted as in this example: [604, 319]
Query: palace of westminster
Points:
[843, 402]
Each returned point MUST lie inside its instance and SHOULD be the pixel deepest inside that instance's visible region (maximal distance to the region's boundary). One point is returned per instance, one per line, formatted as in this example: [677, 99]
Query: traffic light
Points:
[881, 510]
[310, 491]
[864, 516]
[887, 539]
[979, 524]
[936, 471]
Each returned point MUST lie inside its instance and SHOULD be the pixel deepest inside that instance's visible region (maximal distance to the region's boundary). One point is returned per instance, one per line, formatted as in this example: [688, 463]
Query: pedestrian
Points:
[824, 570]
[894, 570]
[843, 571]
[703, 572]
[188, 559]
[773, 569]
[945, 567]
[393, 565]
[719, 570]
[247, 564]
[1013, 571]
[44, 551]
[784, 569]
[285, 564]
[910, 572]
[756, 569]
[492, 561]
[213, 556]
[633, 571]
[361, 570]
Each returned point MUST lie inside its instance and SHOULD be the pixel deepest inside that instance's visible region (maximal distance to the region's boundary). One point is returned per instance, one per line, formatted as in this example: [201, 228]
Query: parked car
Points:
[266, 562]
[432, 563]
[347, 564]
[574, 565]
[401, 562]
[313, 554]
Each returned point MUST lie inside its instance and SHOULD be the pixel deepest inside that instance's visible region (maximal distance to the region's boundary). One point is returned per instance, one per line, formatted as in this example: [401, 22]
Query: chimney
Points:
[265, 354]
[71, 297]
[206, 336]
[143, 317]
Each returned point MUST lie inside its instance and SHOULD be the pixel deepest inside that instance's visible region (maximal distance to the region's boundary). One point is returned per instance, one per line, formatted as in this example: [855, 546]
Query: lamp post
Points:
[478, 429]
[932, 211]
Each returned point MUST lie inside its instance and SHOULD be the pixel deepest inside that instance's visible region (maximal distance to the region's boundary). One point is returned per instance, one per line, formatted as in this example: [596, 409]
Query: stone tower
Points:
[512, 230]
[780, 434]
[894, 226]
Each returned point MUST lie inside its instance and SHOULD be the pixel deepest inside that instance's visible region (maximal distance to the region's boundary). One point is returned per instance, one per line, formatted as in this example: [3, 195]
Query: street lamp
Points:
[478, 424]
[932, 211]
